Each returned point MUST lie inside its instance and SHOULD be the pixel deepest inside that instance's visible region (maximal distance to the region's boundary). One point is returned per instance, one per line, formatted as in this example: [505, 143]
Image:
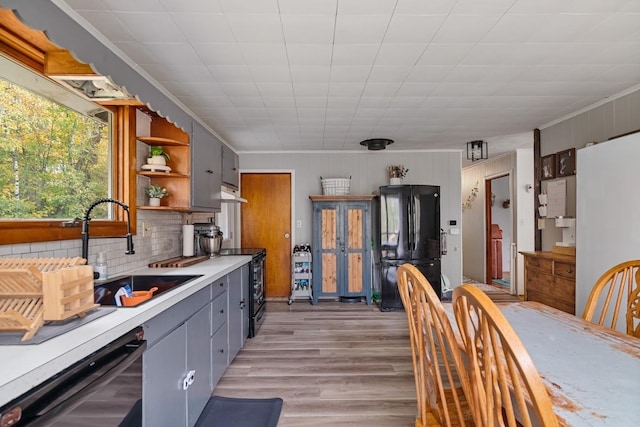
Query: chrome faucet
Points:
[85, 227]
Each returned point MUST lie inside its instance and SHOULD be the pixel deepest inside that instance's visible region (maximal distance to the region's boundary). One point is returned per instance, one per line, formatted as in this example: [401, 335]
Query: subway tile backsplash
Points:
[164, 241]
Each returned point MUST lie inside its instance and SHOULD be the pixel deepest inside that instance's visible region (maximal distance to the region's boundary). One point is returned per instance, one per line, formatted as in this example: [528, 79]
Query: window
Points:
[55, 157]
[51, 170]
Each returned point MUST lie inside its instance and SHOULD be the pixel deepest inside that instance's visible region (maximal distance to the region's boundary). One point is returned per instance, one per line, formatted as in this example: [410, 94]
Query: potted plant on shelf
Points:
[155, 193]
[157, 156]
[396, 174]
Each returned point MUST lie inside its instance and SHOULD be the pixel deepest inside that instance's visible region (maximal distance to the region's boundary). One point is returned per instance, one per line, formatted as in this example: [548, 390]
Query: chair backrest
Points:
[616, 289]
[439, 368]
[507, 389]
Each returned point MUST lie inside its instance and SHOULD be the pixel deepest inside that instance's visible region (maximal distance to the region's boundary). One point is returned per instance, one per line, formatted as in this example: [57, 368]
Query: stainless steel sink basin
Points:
[105, 292]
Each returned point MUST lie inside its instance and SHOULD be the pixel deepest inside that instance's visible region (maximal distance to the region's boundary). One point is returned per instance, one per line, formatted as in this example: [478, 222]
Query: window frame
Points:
[29, 47]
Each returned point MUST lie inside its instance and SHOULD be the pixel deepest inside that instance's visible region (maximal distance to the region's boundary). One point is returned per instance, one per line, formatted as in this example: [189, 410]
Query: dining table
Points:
[592, 373]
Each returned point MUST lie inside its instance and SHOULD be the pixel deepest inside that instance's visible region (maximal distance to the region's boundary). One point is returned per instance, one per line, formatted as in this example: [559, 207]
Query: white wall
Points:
[519, 164]
[608, 212]
[367, 170]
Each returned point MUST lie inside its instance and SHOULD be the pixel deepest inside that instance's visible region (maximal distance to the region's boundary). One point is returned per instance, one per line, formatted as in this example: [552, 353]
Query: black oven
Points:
[102, 390]
[256, 300]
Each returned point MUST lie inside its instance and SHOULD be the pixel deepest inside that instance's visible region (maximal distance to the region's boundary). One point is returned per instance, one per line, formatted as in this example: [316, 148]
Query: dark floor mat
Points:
[234, 412]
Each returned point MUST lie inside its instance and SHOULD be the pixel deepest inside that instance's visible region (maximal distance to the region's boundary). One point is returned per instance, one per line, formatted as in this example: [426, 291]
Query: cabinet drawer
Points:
[218, 312]
[564, 269]
[540, 264]
[219, 355]
[218, 287]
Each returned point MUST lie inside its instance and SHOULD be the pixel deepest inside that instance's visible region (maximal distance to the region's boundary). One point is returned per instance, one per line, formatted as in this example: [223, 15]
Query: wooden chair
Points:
[439, 370]
[618, 285]
[507, 389]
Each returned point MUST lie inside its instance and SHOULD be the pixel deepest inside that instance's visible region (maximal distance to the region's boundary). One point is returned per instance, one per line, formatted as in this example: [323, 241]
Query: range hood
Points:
[230, 195]
[96, 88]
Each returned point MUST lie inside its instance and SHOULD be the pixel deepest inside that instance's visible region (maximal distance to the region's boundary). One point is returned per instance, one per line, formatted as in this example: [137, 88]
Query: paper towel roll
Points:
[187, 240]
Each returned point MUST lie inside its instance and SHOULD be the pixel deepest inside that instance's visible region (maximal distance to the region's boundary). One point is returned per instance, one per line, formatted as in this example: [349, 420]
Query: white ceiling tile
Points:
[366, 7]
[219, 53]
[399, 54]
[245, 101]
[256, 28]
[172, 72]
[445, 54]
[354, 54]
[309, 54]
[199, 6]
[381, 89]
[416, 89]
[613, 28]
[388, 73]
[343, 102]
[271, 74]
[311, 101]
[249, 6]
[308, 7]
[465, 28]
[346, 88]
[413, 28]
[357, 74]
[268, 89]
[308, 29]
[403, 102]
[474, 7]
[204, 27]
[155, 27]
[180, 52]
[138, 52]
[279, 101]
[264, 53]
[360, 29]
[428, 73]
[421, 7]
[310, 73]
[240, 90]
[310, 89]
[231, 74]
[370, 102]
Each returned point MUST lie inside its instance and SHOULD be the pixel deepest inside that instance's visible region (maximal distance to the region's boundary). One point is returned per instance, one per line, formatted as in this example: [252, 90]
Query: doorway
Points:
[499, 233]
[266, 223]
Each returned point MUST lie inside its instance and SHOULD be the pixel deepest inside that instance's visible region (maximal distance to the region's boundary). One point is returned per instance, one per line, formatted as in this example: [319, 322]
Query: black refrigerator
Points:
[407, 221]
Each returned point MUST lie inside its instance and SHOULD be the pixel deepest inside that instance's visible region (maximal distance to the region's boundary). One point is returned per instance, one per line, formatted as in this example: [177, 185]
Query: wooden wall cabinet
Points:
[550, 279]
[195, 178]
[341, 247]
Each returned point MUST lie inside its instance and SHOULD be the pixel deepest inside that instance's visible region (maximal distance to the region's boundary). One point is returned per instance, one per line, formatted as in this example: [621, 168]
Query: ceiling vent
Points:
[375, 144]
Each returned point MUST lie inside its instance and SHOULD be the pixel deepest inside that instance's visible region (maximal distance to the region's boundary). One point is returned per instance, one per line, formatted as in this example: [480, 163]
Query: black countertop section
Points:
[241, 251]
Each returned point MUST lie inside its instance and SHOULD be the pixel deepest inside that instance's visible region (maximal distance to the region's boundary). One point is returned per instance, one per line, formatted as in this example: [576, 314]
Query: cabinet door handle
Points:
[222, 311]
[209, 171]
[569, 270]
[189, 379]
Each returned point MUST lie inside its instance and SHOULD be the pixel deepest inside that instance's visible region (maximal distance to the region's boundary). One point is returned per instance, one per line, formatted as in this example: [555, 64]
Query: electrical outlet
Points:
[298, 224]
[146, 229]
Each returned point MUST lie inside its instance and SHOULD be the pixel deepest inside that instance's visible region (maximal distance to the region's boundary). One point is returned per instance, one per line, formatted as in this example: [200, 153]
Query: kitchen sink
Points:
[105, 292]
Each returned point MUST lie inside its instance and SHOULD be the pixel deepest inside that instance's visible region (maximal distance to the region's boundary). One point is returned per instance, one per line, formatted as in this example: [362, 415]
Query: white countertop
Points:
[22, 367]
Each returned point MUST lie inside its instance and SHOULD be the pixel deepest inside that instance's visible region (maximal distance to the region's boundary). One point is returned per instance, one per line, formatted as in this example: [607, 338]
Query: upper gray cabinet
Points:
[206, 174]
[230, 167]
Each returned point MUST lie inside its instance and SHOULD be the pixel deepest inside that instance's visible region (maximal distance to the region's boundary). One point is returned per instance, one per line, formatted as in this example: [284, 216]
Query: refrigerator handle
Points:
[443, 242]
[412, 223]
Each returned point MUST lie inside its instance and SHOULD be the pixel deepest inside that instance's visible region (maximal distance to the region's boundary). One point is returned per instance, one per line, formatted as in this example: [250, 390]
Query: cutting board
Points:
[180, 261]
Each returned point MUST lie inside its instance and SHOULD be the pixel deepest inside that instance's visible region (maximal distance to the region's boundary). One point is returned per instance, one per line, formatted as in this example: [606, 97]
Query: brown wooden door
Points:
[266, 223]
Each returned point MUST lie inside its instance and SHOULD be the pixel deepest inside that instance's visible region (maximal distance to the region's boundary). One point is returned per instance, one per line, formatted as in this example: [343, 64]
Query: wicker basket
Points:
[335, 186]
[35, 290]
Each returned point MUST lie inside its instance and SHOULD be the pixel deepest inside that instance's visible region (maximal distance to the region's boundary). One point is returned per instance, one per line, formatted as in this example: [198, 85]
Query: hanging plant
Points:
[397, 171]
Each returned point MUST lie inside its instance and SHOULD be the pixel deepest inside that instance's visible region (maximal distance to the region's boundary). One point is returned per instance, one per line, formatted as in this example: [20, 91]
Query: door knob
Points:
[286, 235]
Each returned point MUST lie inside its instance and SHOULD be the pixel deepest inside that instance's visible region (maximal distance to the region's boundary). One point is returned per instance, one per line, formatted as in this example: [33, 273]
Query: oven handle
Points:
[84, 386]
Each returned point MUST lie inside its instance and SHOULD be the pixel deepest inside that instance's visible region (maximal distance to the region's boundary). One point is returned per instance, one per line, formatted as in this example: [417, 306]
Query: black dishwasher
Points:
[102, 390]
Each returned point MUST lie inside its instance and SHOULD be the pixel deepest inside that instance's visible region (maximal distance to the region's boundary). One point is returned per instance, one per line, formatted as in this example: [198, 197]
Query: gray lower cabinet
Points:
[238, 307]
[189, 350]
[176, 376]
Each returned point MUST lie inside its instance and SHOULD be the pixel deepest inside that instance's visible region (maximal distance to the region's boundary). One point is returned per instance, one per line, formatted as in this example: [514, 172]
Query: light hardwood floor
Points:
[333, 364]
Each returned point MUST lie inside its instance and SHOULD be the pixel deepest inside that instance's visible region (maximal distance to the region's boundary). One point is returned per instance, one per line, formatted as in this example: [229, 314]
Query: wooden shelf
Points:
[157, 140]
[153, 174]
[165, 208]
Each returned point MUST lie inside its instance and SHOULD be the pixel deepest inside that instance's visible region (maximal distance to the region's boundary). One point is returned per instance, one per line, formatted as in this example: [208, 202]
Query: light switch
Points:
[454, 231]
[299, 224]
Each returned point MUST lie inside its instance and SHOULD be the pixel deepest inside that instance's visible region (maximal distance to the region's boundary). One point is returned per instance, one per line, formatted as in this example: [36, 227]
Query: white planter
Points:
[154, 201]
[395, 181]
[157, 160]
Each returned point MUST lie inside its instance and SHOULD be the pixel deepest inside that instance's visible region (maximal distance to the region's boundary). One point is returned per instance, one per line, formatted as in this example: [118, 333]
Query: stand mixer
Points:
[207, 239]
